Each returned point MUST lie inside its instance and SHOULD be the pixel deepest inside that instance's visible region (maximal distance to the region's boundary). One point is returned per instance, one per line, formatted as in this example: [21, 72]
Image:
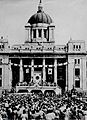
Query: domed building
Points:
[40, 65]
[40, 27]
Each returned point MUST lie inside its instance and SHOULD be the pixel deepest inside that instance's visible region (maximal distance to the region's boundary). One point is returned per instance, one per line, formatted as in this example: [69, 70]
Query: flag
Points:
[27, 70]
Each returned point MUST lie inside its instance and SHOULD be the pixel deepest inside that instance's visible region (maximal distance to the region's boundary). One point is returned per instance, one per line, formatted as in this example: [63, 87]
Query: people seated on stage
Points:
[22, 83]
[31, 83]
[40, 83]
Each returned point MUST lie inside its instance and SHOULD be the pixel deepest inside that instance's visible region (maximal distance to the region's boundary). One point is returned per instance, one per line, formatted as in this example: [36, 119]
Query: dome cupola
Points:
[40, 27]
[40, 16]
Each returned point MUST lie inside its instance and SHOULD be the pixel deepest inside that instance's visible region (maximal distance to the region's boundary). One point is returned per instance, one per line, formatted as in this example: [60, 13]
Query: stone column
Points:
[81, 74]
[55, 70]
[21, 71]
[31, 33]
[32, 69]
[10, 75]
[36, 33]
[44, 74]
[66, 76]
[42, 33]
[27, 36]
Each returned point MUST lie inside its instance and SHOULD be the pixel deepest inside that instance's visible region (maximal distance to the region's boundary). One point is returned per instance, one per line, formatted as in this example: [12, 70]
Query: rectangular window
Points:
[0, 61]
[45, 33]
[76, 46]
[77, 72]
[75, 61]
[77, 83]
[79, 46]
[2, 46]
[0, 77]
[34, 33]
[39, 33]
[73, 47]
[78, 61]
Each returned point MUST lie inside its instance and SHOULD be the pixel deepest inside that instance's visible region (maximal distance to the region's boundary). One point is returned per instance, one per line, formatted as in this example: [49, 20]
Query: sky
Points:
[69, 16]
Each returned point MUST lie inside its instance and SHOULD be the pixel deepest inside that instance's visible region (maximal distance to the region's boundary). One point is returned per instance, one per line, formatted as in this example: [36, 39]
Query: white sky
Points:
[69, 16]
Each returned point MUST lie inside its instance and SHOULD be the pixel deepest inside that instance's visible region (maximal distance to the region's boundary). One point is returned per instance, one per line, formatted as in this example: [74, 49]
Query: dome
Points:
[40, 17]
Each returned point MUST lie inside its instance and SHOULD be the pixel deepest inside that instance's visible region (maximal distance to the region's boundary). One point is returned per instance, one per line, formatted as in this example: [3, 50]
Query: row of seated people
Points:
[40, 83]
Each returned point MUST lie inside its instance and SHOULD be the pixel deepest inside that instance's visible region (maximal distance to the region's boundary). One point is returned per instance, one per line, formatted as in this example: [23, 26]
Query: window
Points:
[52, 33]
[76, 46]
[0, 77]
[73, 46]
[77, 72]
[78, 61]
[2, 46]
[77, 83]
[0, 61]
[75, 61]
[45, 33]
[39, 32]
[34, 33]
[79, 46]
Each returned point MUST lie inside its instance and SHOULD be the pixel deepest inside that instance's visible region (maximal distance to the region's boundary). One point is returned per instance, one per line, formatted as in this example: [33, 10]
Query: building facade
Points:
[40, 64]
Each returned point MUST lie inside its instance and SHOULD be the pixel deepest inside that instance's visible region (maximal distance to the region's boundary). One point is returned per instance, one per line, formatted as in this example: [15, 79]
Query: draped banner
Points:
[27, 70]
[59, 64]
[50, 71]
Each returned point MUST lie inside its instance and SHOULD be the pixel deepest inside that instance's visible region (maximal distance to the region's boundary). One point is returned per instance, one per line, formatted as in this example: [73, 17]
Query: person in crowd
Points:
[36, 106]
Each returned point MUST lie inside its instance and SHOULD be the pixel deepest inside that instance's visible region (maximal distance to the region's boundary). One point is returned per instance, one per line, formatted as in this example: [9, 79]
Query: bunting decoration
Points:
[25, 66]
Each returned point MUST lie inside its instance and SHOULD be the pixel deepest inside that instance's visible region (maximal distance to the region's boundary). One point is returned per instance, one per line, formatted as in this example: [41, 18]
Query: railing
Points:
[39, 84]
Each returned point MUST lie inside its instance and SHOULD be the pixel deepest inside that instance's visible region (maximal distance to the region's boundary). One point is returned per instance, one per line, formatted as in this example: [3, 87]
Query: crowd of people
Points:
[36, 106]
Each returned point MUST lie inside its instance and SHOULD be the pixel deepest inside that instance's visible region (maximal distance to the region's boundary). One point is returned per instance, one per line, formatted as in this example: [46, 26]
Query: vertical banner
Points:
[27, 70]
[50, 71]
